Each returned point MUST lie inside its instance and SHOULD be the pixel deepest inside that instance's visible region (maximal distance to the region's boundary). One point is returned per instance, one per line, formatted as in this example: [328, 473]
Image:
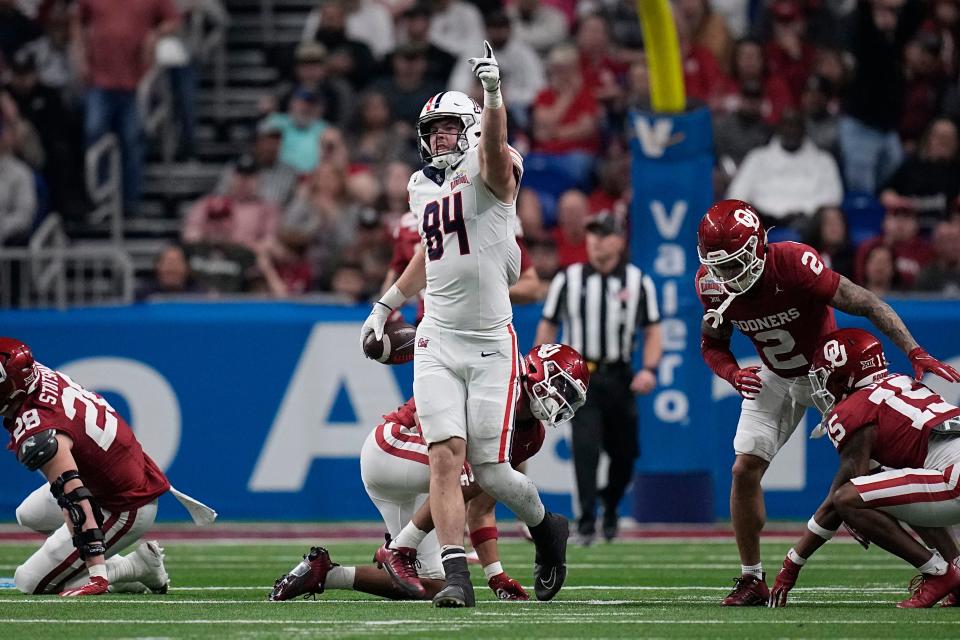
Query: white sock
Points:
[340, 578]
[513, 489]
[935, 566]
[796, 558]
[755, 570]
[122, 569]
[409, 536]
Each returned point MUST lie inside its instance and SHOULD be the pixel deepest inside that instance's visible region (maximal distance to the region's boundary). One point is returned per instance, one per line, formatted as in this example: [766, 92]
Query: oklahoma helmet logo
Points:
[547, 350]
[747, 218]
[836, 353]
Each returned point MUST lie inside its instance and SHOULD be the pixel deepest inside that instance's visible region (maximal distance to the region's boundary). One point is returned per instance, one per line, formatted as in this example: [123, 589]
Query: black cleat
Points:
[550, 565]
[457, 593]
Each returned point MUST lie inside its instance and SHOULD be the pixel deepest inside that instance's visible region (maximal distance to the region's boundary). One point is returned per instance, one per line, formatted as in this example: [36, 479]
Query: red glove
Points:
[785, 580]
[923, 362]
[95, 587]
[507, 588]
[747, 382]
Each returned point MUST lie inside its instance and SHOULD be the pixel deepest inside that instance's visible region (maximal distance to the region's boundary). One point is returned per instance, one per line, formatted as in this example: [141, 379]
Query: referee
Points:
[601, 303]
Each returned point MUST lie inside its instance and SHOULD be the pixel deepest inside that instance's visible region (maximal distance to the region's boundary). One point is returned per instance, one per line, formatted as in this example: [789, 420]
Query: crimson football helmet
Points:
[18, 372]
[731, 242]
[843, 361]
[556, 382]
[449, 104]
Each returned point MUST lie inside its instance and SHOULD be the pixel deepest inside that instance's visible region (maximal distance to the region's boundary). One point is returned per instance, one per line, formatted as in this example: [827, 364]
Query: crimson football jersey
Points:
[400, 436]
[904, 412]
[111, 463]
[786, 311]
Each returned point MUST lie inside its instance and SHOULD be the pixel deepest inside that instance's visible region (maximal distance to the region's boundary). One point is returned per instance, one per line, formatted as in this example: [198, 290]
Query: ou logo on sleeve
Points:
[747, 218]
[547, 350]
[836, 353]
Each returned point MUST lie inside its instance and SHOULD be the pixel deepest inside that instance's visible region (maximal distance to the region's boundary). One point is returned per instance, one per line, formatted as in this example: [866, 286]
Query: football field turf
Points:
[635, 589]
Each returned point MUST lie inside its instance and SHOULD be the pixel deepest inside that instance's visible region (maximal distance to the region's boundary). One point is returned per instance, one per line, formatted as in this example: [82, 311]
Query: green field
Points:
[630, 589]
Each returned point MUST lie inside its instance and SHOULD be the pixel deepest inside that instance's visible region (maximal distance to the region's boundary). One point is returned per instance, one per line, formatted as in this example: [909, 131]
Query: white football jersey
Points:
[470, 246]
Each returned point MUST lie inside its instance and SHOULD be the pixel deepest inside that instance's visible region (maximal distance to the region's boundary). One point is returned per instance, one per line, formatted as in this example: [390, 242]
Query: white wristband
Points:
[493, 99]
[492, 569]
[393, 298]
[796, 558]
[815, 528]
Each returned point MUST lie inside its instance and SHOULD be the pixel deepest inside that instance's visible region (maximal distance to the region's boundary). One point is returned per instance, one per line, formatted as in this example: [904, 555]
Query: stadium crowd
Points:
[837, 120]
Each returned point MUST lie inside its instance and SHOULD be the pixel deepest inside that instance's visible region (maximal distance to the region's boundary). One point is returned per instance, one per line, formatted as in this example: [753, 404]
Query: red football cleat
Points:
[401, 564]
[952, 600]
[307, 578]
[506, 588]
[748, 591]
[928, 590]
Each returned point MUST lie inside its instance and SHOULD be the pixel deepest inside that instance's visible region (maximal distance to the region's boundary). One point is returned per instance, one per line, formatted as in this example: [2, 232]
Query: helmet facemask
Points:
[737, 271]
[555, 399]
[447, 158]
[822, 398]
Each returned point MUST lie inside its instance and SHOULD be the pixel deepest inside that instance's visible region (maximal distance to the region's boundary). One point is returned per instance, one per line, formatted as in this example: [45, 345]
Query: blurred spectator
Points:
[18, 198]
[116, 42]
[310, 73]
[275, 178]
[879, 273]
[414, 30]
[925, 84]
[709, 29]
[367, 21]
[395, 199]
[323, 211]
[16, 29]
[735, 13]
[521, 72]
[741, 130]
[347, 56]
[621, 17]
[240, 216]
[827, 233]
[543, 254]
[603, 72]
[171, 275]
[749, 67]
[570, 236]
[613, 184]
[703, 77]
[830, 65]
[301, 129]
[530, 213]
[537, 24]
[790, 178]
[348, 283]
[408, 86]
[899, 234]
[376, 138]
[219, 267]
[51, 52]
[820, 110]
[566, 117]
[282, 261]
[946, 24]
[788, 54]
[875, 95]
[42, 107]
[24, 140]
[929, 180]
[942, 275]
[457, 27]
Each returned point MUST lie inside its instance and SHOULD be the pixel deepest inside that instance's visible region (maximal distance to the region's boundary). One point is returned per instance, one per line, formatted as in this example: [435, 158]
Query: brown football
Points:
[396, 346]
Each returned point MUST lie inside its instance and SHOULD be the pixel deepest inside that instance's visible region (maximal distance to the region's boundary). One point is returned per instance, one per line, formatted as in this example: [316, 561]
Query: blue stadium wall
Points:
[260, 409]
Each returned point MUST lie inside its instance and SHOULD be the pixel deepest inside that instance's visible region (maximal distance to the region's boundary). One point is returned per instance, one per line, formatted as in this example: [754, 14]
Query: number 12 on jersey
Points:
[439, 220]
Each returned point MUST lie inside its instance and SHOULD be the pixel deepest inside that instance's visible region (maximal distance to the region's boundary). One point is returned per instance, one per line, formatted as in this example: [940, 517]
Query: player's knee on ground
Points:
[25, 580]
[747, 469]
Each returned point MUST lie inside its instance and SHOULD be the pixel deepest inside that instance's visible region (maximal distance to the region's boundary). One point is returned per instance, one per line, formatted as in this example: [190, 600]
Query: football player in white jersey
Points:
[466, 364]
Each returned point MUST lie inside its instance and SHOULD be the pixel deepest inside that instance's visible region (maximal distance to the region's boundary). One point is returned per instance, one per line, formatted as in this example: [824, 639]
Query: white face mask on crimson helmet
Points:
[449, 104]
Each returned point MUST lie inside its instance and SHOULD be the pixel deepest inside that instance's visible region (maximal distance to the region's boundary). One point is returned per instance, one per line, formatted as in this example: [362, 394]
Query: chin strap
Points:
[714, 317]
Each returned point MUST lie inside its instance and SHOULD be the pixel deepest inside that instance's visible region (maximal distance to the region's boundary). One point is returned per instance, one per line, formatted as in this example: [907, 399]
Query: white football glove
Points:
[374, 322]
[486, 68]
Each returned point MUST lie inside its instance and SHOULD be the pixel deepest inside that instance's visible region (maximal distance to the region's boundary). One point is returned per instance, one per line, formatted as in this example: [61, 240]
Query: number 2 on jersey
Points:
[435, 224]
[102, 435]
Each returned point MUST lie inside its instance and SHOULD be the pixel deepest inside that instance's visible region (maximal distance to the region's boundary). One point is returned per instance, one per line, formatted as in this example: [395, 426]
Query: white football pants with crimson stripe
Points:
[466, 386]
[56, 565]
[928, 497]
[398, 483]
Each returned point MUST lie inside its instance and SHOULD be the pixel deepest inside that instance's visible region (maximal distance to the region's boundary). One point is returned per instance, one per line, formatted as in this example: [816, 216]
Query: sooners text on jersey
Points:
[904, 412]
[786, 311]
[111, 463]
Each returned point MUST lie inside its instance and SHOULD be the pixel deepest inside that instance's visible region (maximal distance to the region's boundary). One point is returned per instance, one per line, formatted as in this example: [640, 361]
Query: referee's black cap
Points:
[606, 223]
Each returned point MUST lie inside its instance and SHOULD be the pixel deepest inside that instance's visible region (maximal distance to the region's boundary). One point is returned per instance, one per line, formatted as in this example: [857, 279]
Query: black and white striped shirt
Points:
[600, 313]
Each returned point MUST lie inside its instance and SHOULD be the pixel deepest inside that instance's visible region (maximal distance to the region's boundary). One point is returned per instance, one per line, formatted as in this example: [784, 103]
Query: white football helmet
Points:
[447, 104]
